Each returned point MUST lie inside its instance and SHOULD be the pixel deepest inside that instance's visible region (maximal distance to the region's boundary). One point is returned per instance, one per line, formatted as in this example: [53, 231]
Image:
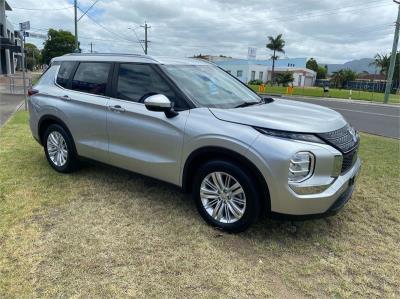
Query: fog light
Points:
[337, 166]
[301, 167]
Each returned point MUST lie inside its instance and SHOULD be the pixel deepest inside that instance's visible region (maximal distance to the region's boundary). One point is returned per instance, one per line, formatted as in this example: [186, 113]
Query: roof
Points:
[284, 62]
[379, 77]
[116, 57]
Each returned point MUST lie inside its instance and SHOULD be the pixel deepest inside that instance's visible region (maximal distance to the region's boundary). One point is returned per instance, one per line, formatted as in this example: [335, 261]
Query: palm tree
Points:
[276, 45]
[382, 62]
[337, 78]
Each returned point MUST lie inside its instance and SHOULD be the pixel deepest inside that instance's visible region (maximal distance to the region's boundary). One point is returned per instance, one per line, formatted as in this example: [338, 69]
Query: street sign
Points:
[25, 26]
[35, 35]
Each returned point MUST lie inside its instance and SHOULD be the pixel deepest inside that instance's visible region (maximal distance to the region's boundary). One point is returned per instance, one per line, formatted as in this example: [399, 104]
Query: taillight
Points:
[32, 91]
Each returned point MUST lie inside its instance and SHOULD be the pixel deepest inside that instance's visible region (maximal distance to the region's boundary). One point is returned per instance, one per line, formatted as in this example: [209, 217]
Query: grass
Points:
[333, 93]
[104, 232]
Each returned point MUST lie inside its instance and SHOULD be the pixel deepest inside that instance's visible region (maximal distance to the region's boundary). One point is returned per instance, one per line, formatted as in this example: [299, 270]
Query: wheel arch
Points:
[201, 155]
[47, 120]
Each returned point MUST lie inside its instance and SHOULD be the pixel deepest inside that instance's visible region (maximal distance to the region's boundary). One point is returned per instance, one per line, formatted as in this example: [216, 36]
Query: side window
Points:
[91, 77]
[64, 73]
[136, 81]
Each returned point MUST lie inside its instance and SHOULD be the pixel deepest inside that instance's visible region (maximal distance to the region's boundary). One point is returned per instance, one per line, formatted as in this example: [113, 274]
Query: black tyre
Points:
[225, 195]
[59, 149]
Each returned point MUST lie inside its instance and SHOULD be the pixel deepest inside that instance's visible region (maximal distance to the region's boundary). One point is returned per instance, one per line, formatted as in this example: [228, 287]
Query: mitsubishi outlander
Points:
[189, 123]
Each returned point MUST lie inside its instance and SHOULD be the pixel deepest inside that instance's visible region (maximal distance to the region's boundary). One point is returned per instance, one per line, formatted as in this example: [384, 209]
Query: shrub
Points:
[256, 82]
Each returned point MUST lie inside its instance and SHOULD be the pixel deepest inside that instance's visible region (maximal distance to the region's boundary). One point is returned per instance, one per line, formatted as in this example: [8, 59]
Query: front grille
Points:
[346, 140]
[348, 160]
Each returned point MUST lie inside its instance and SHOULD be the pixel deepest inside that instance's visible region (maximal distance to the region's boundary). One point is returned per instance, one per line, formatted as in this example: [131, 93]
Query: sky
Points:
[330, 31]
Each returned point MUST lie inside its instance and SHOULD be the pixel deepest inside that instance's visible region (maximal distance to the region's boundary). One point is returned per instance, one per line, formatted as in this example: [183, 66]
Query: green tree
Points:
[275, 44]
[337, 78]
[312, 64]
[58, 43]
[33, 56]
[343, 76]
[382, 62]
[322, 72]
[284, 78]
[348, 76]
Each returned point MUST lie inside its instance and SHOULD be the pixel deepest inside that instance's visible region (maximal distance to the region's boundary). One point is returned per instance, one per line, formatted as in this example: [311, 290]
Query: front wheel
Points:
[225, 196]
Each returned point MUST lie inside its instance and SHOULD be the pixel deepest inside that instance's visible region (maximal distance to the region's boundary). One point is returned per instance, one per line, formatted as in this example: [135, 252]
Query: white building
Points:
[247, 70]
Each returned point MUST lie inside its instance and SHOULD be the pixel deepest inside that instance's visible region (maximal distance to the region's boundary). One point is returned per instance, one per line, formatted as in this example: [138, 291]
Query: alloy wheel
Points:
[57, 149]
[223, 197]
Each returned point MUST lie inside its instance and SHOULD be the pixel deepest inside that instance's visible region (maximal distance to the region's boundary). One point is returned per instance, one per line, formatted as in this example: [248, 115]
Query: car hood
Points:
[284, 115]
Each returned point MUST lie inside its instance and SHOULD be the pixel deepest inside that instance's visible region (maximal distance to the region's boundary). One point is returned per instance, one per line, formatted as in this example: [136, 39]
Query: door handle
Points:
[66, 97]
[116, 108]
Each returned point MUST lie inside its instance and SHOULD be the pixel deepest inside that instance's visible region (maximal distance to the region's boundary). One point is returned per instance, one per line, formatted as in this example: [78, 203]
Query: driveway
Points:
[378, 119]
[9, 103]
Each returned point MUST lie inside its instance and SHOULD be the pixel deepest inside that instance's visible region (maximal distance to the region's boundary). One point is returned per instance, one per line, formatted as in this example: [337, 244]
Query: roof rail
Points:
[110, 54]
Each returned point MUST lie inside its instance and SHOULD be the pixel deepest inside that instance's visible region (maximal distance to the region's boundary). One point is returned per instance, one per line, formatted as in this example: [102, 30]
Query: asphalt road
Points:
[383, 120]
[8, 105]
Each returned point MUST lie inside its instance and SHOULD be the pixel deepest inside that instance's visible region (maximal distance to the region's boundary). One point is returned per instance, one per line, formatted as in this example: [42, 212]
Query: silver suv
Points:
[189, 123]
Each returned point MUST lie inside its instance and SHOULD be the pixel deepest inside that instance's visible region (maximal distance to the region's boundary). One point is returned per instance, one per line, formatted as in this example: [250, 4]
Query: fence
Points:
[375, 86]
[14, 84]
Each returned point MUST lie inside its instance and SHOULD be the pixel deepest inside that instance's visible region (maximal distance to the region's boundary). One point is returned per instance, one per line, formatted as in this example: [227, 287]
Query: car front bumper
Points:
[320, 195]
[344, 194]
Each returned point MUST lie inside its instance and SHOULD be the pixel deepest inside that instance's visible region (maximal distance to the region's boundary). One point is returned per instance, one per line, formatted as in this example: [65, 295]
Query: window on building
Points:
[137, 81]
[239, 73]
[260, 75]
[91, 77]
[1, 30]
[253, 75]
[64, 73]
[8, 33]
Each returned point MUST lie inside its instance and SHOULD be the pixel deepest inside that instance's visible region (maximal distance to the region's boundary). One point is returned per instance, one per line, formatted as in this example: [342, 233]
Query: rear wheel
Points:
[225, 196]
[59, 149]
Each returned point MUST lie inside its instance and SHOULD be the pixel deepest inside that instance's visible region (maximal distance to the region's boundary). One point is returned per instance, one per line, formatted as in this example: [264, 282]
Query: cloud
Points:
[331, 31]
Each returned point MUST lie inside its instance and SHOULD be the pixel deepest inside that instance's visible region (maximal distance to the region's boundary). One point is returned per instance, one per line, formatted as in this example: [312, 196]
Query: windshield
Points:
[210, 86]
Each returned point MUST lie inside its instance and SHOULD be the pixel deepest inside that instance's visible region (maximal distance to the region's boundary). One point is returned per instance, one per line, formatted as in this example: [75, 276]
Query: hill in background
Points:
[358, 66]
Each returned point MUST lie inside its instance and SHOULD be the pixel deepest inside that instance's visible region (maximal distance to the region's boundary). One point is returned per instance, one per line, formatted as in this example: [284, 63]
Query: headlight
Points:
[291, 135]
[301, 167]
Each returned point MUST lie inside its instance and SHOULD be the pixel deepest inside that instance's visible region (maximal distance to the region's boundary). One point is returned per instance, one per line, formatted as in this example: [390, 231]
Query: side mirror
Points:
[160, 103]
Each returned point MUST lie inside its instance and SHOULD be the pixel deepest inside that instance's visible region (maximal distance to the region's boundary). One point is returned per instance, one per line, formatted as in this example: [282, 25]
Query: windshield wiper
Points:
[245, 104]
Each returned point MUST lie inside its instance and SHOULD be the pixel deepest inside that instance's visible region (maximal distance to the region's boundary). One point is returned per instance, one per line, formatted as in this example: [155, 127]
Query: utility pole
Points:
[76, 25]
[145, 37]
[23, 68]
[389, 80]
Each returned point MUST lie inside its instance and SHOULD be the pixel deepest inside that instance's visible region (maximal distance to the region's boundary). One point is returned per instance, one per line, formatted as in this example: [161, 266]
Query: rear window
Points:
[64, 73]
[91, 77]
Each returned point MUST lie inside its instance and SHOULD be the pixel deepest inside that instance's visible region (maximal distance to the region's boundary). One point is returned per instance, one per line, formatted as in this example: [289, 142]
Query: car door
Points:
[84, 106]
[140, 140]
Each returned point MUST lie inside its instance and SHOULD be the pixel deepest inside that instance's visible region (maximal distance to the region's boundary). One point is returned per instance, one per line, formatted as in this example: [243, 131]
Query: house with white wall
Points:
[248, 69]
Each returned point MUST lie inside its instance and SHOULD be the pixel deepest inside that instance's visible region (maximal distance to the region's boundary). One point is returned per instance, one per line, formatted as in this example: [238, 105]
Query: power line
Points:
[134, 31]
[87, 10]
[111, 32]
[42, 9]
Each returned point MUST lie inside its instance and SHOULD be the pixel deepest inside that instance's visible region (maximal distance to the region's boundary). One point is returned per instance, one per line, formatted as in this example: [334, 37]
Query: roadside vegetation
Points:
[333, 93]
[104, 232]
